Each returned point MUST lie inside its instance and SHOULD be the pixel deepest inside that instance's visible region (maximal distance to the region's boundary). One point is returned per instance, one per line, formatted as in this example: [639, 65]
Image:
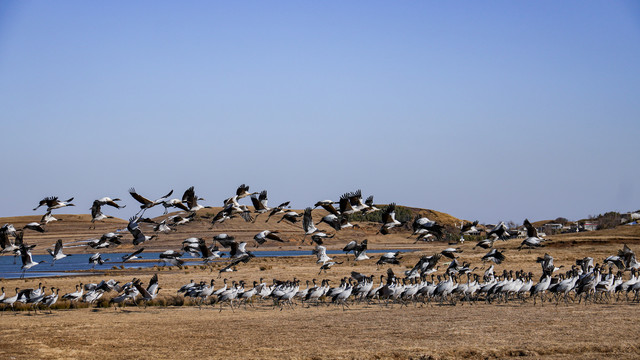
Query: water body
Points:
[70, 265]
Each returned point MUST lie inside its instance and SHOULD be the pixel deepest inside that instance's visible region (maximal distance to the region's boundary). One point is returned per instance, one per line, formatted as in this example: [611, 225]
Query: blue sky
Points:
[494, 110]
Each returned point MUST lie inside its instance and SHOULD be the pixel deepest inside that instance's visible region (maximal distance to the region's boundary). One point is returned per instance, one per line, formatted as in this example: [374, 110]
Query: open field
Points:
[499, 330]
[483, 331]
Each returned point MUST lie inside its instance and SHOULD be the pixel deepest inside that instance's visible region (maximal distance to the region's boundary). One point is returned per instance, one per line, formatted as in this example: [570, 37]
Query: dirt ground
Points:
[510, 330]
[363, 332]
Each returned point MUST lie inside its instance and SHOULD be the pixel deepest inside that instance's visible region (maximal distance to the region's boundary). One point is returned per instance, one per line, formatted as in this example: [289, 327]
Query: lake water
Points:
[80, 262]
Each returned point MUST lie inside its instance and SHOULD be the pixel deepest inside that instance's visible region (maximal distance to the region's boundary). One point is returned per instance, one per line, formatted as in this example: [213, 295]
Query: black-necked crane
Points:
[204, 292]
[27, 260]
[191, 246]
[615, 260]
[229, 295]
[231, 266]
[222, 289]
[111, 202]
[151, 292]
[187, 287]
[96, 259]
[451, 252]
[51, 299]
[629, 258]
[163, 227]
[355, 200]
[19, 244]
[307, 224]
[389, 219]
[35, 226]
[345, 205]
[173, 203]
[546, 262]
[532, 240]
[316, 292]
[585, 264]
[192, 289]
[52, 203]
[265, 235]
[361, 254]
[146, 203]
[500, 231]
[47, 218]
[241, 192]
[237, 249]
[280, 209]
[247, 296]
[132, 256]
[76, 295]
[327, 205]
[426, 265]
[92, 296]
[369, 206]
[12, 300]
[172, 258]
[181, 220]
[222, 215]
[326, 266]
[588, 282]
[319, 237]
[5, 242]
[8, 229]
[389, 258]
[494, 255]
[540, 288]
[354, 247]
[57, 253]
[105, 241]
[134, 229]
[260, 204]
[531, 243]
[36, 299]
[345, 224]
[341, 298]
[25, 294]
[468, 227]
[331, 220]
[129, 293]
[191, 200]
[223, 237]
[229, 211]
[486, 243]
[207, 254]
[291, 217]
[453, 268]
[112, 238]
[422, 224]
[321, 253]
[96, 214]
[363, 286]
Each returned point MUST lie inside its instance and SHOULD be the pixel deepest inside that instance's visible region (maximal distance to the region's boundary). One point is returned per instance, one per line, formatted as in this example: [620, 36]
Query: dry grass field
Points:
[423, 331]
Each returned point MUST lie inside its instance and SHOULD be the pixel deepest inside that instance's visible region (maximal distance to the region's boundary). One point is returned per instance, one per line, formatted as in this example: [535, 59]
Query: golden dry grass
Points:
[479, 331]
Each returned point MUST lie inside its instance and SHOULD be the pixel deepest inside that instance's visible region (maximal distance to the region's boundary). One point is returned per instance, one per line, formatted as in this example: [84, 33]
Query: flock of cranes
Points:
[583, 282]
[337, 219]
[459, 282]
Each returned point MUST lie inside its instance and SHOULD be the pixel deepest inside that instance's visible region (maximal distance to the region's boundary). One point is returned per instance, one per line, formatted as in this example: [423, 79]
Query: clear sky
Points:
[495, 110]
